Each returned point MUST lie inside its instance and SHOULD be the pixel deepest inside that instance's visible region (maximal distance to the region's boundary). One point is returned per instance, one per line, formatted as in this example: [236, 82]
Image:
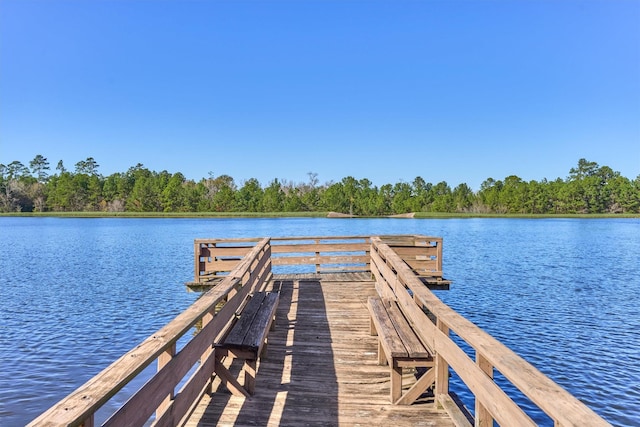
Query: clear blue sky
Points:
[387, 90]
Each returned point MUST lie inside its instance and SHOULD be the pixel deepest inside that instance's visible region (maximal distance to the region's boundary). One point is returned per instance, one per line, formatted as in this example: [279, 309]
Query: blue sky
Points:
[386, 90]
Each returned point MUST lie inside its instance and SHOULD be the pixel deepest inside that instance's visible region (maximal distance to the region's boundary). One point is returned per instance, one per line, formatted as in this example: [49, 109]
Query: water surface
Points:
[75, 294]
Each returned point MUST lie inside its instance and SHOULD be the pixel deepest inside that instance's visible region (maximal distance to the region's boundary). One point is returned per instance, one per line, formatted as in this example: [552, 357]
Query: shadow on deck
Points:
[321, 366]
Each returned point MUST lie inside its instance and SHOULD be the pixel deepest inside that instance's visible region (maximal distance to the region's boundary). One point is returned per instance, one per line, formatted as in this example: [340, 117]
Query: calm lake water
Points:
[75, 294]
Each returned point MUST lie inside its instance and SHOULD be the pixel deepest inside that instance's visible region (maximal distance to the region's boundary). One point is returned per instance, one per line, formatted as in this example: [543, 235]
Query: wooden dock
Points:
[321, 367]
[324, 366]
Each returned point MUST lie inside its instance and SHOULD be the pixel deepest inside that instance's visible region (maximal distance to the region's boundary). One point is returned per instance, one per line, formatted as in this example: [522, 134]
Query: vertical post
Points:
[196, 255]
[483, 417]
[89, 422]
[442, 367]
[208, 317]
[317, 256]
[439, 254]
[250, 367]
[164, 358]
[396, 382]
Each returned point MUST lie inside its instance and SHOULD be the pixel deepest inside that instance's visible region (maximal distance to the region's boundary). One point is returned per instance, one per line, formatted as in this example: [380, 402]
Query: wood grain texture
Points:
[321, 369]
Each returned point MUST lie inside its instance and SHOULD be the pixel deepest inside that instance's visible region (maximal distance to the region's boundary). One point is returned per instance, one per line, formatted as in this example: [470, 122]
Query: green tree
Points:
[39, 167]
[334, 198]
[172, 196]
[422, 194]
[463, 198]
[513, 195]
[402, 201]
[273, 200]
[88, 166]
[442, 198]
[489, 195]
[249, 197]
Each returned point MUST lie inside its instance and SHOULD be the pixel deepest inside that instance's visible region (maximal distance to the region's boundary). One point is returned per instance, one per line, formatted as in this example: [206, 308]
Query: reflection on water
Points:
[561, 293]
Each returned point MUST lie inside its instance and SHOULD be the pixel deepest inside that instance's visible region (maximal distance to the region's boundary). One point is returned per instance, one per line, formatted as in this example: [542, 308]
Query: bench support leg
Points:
[396, 383]
[250, 375]
[229, 381]
[420, 386]
[382, 360]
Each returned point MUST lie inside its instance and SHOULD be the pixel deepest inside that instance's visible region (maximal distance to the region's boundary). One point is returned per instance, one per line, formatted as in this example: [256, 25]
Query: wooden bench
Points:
[246, 340]
[399, 347]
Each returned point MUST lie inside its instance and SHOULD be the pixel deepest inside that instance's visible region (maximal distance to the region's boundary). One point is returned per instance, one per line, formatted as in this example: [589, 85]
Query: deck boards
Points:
[321, 366]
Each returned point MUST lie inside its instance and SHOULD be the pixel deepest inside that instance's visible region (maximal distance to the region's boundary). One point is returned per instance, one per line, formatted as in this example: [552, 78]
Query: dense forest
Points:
[589, 188]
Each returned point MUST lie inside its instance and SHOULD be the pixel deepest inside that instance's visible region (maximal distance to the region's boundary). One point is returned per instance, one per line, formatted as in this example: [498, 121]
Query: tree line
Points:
[589, 188]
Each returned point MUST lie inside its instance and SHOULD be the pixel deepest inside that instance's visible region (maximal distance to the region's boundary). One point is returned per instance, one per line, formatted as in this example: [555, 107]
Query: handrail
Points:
[395, 279]
[79, 407]
[392, 260]
[214, 258]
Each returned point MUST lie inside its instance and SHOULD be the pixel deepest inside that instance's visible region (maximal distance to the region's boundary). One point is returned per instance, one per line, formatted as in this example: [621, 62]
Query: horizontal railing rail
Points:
[433, 321]
[245, 265]
[157, 395]
[215, 258]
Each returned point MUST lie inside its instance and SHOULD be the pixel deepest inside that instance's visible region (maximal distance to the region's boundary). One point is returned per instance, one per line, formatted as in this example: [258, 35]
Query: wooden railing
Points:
[215, 258]
[433, 321]
[242, 266]
[157, 395]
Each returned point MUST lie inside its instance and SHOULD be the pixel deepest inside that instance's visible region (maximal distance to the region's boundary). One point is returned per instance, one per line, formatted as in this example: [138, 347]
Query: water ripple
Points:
[75, 294]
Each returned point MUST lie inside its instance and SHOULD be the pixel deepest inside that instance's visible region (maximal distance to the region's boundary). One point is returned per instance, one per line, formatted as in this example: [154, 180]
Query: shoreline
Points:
[412, 215]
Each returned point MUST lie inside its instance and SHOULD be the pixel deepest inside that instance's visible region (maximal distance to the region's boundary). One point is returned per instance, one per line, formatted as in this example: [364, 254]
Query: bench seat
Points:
[246, 340]
[400, 347]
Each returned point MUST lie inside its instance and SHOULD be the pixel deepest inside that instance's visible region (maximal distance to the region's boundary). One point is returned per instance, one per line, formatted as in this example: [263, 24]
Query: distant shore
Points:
[415, 215]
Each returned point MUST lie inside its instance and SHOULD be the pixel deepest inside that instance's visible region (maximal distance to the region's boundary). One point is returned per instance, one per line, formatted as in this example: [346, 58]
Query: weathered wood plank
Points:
[236, 337]
[320, 247]
[549, 396]
[259, 328]
[387, 334]
[301, 260]
[414, 347]
[322, 367]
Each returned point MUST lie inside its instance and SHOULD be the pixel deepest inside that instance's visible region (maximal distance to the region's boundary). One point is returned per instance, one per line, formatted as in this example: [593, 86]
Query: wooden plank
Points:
[237, 335]
[422, 265]
[386, 273]
[229, 251]
[231, 241]
[414, 347]
[229, 381]
[492, 397]
[215, 266]
[142, 404]
[387, 333]
[418, 388]
[259, 328]
[483, 417]
[457, 415]
[298, 260]
[413, 251]
[549, 396]
[382, 286]
[322, 366]
[188, 396]
[320, 247]
[344, 269]
[88, 398]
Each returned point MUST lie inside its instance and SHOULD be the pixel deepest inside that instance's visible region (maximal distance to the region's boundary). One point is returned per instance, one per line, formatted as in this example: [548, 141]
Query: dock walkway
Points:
[321, 367]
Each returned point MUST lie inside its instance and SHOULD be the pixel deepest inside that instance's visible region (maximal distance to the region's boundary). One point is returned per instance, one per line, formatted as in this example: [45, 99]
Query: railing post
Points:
[483, 416]
[164, 358]
[196, 273]
[89, 422]
[317, 257]
[208, 317]
[441, 367]
[439, 255]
